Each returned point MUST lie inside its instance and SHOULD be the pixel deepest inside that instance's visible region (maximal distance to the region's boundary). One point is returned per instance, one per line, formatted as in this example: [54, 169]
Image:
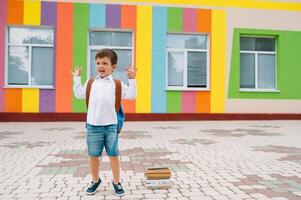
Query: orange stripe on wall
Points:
[204, 20]
[13, 97]
[203, 102]
[13, 101]
[204, 26]
[64, 46]
[128, 17]
[15, 11]
[128, 21]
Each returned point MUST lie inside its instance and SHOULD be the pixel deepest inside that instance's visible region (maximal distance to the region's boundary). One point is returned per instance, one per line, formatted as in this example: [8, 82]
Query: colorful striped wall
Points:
[150, 24]
[71, 22]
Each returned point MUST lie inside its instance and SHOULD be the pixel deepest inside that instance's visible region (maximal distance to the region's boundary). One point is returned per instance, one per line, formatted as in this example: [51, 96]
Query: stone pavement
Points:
[209, 160]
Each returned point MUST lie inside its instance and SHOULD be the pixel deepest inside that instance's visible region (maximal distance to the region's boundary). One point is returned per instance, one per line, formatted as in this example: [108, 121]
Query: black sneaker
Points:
[92, 188]
[118, 189]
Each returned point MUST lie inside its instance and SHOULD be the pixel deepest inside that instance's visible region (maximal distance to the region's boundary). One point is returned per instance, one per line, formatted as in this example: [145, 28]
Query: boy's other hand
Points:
[77, 71]
[131, 70]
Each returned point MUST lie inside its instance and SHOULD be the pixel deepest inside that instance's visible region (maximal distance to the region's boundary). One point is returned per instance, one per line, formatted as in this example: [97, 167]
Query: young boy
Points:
[101, 116]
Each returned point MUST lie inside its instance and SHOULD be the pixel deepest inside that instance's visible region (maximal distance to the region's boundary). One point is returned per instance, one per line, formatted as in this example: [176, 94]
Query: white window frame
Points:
[7, 45]
[185, 68]
[256, 89]
[99, 47]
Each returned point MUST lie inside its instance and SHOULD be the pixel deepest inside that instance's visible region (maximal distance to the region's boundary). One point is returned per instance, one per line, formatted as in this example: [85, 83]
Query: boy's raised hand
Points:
[77, 71]
[131, 70]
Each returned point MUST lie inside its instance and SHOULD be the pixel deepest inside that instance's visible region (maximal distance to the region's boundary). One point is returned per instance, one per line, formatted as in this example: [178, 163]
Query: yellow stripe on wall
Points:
[32, 12]
[256, 4]
[143, 58]
[218, 61]
[32, 16]
[30, 100]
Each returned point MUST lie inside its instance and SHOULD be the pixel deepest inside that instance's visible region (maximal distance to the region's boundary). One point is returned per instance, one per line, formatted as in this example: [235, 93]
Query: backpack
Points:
[119, 111]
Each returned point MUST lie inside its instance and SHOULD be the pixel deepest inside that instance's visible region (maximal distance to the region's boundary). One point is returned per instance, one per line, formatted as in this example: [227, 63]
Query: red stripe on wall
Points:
[15, 11]
[128, 21]
[128, 17]
[64, 46]
[189, 25]
[190, 19]
[189, 102]
[3, 20]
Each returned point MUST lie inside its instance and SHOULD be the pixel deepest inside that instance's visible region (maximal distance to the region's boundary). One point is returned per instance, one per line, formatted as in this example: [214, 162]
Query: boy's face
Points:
[104, 67]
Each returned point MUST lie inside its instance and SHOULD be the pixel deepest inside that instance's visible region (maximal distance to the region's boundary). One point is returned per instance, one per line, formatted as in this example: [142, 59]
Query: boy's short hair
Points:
[107, 53]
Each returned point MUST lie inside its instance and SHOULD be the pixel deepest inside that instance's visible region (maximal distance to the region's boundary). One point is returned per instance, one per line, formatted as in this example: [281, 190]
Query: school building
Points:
[193, 57]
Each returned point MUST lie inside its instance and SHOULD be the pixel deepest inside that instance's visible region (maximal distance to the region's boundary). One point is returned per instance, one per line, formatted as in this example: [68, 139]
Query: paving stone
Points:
[209, 160]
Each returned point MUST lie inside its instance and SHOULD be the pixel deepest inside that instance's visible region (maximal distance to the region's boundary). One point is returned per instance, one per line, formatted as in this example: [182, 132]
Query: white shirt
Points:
[101, 109]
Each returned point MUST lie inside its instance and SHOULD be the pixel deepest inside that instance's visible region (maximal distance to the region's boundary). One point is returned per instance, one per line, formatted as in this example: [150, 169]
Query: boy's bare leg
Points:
[115, 166]
[94, 166]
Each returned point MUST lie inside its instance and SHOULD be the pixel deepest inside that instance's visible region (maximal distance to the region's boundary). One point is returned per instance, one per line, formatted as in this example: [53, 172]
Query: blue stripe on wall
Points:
[159, 60]
[97, 16]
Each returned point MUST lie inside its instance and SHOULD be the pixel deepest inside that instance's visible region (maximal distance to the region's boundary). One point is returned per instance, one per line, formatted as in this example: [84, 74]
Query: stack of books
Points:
[157, 178]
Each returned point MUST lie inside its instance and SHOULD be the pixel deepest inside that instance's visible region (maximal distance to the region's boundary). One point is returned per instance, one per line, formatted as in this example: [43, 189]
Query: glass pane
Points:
[175, 68]
[197, 71]
[247, 43]
[42, 66]
[104, 38]
[18, 65]
[247, 70]
[92, 63]
[265, 44]
[186, 41]
[30, 36]
[266, 71]
[195, 42]
[41, 36]
[99, 38]
[121, 39]
[124, 59]
[19, 35]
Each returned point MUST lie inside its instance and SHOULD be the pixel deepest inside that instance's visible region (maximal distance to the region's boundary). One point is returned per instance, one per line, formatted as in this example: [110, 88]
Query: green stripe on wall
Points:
[174, 24]
[288, 62]
[174, 102]
[175, 19]
[234, 68]
[80, 33]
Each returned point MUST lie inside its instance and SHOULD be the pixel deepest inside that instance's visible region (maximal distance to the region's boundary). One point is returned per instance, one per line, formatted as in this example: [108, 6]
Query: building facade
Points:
[201, 57]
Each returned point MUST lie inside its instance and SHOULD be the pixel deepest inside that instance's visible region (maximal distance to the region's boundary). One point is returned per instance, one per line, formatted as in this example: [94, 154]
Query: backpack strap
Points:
[88, 90]
[117, 93]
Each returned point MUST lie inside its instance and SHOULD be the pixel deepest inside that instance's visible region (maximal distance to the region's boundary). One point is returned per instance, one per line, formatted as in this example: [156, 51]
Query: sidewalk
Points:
[209, 159]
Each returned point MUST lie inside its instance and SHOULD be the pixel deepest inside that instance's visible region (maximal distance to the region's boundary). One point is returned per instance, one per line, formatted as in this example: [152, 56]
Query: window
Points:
[257, 63]
[120, 42]
[29, 57]
[187, 62]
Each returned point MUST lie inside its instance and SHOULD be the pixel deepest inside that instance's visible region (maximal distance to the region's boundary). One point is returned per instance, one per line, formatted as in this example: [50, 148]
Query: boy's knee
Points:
[114, 157]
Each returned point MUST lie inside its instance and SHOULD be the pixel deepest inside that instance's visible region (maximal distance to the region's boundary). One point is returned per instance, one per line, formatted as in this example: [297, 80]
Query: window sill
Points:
[187, 89]
[28, 87]
[260, 90]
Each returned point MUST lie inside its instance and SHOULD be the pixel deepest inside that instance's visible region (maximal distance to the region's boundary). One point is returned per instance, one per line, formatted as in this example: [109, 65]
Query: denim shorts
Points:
[102, 136]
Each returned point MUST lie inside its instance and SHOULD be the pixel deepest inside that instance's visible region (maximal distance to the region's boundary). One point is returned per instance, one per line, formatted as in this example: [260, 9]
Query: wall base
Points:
[47, 117]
